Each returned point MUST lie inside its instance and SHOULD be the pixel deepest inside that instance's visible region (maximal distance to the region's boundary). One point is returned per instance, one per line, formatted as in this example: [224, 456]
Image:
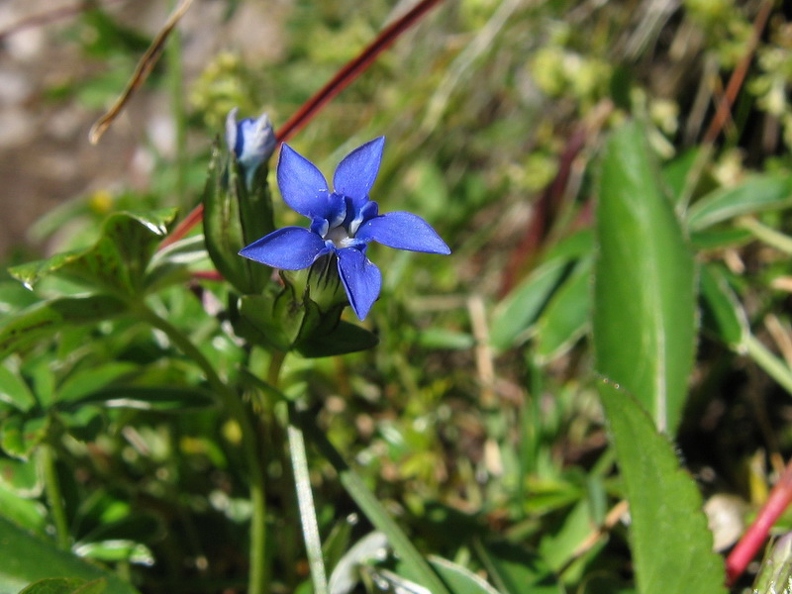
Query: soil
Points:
[45, 156]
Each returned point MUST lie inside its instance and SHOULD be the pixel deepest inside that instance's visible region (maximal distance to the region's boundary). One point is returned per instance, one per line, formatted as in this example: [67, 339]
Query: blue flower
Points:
[251, 141]
[343, 222]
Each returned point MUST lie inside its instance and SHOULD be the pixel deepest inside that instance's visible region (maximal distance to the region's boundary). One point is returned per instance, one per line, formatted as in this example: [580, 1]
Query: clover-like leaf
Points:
[116, 263]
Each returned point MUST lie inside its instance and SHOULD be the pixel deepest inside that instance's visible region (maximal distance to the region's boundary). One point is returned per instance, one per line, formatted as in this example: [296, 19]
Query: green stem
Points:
[774, 367]
[258, 581]
[54, 498]
[373, 509]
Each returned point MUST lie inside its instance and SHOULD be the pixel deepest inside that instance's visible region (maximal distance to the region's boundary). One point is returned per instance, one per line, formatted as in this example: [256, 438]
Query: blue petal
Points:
[356, 173]
[290, 248]
[302, 185]
[403, 231]
[255, 142]
[362, 280]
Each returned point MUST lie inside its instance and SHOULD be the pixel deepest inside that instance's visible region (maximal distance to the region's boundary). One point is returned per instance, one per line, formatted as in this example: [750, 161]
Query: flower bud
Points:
[237, 201]
[319, 283]
[252, 142]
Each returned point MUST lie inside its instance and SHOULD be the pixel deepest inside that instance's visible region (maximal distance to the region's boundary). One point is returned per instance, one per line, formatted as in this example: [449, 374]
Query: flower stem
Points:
[54, 498]
[259, 578]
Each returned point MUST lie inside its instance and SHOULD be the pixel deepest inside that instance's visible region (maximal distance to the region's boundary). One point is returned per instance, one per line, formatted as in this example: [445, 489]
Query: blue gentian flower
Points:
[251, 141]
[343, 222]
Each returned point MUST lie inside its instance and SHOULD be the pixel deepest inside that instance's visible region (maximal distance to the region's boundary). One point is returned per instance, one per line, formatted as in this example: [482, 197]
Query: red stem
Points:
[738, 76]
[338, 83]
[753, 540]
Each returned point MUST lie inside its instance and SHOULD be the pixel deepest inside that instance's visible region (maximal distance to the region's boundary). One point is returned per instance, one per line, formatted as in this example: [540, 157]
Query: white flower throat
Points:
[343, 235]
[339, 236]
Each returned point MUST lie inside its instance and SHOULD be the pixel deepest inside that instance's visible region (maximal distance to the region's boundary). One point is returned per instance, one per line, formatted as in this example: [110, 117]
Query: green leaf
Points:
[445, 339]
[722, 313]
[113, 551]
[14, 297]
[98, 586]
[346, 338]
[131, 528]
[65, 586]
[670, 542]
[44, 319]
[566, 316]
[521, 308]
[160, 398]
[21, 477]
[644, 322]
[393, 582]
[515, 314]
[117, 262]
[558, 548]
[757, 193]
[675, 173]
[86, 381]
[515, 570]
[14, 390]
[459, 579]
[170, 265]
[19, 437]
[346, 573]
[717, 238]
[27, 559]
[27, 513]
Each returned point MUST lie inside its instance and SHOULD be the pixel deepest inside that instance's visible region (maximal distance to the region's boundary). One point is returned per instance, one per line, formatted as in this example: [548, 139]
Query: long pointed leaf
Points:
[644, 298]
[670, 542]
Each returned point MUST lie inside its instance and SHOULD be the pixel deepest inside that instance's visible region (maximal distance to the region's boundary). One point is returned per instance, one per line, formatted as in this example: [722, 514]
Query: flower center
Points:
[339, 236]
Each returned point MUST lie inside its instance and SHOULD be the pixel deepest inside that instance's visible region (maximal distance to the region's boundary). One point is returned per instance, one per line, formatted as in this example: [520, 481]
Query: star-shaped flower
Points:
[343, 222]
